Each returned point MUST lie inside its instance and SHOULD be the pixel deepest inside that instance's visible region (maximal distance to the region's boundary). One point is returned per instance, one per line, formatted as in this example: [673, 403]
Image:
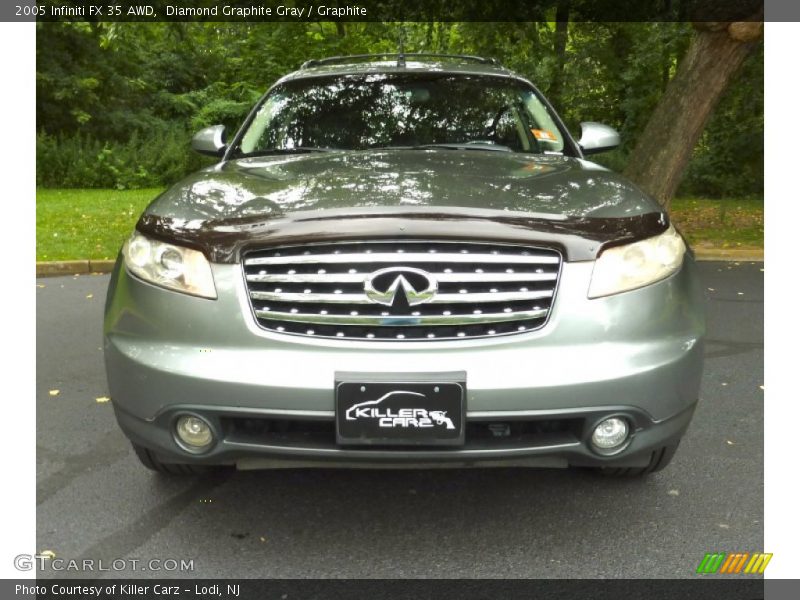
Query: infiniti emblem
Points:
[415, 286]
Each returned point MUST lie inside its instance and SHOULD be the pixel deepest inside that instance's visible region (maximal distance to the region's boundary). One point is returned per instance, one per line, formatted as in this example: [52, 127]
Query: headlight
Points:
[174, 267]
[635, 265]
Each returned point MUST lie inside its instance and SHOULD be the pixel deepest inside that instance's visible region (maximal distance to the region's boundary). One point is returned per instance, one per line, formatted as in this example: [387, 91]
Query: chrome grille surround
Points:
[484, 289]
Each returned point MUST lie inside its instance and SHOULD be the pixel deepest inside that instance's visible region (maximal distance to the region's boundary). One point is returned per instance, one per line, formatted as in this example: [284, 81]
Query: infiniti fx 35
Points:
[404, 261]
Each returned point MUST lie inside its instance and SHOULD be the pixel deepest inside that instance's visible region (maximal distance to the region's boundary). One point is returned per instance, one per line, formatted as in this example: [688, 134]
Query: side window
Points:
[251, 140]
[543, 127]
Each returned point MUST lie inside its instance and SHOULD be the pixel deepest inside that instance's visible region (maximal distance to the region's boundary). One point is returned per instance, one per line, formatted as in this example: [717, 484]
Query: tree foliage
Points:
[117, 102]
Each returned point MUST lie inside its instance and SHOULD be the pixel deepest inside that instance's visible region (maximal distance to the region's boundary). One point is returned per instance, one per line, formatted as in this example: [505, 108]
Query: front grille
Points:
[478, 434]
[449, 290]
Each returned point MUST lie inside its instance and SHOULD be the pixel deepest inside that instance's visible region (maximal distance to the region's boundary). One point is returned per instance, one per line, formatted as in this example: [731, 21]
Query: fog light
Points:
[610, 434]
[194, 432]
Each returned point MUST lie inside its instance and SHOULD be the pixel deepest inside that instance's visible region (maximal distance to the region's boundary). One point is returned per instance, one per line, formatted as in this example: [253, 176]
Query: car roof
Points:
[358, 65]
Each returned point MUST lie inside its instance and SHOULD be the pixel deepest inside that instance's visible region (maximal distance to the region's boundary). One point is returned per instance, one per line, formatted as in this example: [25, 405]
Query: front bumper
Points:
[637, 354]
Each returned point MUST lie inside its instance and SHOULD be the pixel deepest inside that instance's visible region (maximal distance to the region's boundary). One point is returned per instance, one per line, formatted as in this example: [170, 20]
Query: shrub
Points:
[151, 160]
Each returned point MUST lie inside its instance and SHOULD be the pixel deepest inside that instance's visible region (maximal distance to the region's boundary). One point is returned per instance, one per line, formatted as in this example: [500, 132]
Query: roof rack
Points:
[399, 56]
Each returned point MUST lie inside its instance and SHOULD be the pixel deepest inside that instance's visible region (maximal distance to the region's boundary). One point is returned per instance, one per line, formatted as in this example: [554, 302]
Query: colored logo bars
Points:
[734, 563]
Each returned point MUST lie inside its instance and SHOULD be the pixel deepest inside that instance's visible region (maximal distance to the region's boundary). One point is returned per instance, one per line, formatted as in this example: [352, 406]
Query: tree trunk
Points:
[560, 50]
[716, 52]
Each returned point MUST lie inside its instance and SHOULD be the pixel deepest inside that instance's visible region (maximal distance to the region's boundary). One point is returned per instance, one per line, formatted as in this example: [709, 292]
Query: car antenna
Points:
[401, 57]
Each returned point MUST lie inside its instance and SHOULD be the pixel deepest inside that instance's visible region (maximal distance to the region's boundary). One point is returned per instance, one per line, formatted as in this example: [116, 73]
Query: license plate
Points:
[400, 409]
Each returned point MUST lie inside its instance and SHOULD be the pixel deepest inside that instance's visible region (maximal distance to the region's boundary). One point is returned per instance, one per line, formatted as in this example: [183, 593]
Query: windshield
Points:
[358, 112]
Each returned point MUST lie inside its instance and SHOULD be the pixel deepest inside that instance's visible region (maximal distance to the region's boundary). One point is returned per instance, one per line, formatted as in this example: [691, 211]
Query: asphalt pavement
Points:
[95, 501]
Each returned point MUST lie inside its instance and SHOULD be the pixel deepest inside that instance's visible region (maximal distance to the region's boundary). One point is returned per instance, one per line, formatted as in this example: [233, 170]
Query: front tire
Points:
[659, 459]
[151, 461]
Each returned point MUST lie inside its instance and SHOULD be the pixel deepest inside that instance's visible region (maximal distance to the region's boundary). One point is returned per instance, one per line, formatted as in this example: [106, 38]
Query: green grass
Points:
[81, 224]
[93, 224]
[728, 223]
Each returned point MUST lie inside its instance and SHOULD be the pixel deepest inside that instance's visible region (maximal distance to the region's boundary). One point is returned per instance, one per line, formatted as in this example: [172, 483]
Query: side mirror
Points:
[210, 141]
[596, 137]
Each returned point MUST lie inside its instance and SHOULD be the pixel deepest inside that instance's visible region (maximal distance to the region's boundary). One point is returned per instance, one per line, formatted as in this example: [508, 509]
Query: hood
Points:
[442, 193]
[274, 186]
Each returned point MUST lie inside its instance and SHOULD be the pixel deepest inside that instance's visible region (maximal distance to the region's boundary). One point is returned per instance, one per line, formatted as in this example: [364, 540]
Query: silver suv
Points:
[404, 260]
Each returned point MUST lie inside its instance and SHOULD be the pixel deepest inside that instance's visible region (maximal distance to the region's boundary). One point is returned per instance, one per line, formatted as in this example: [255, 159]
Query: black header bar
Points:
[392, 10]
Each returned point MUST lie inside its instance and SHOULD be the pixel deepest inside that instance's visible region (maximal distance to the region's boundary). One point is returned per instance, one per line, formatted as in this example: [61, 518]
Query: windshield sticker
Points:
[543, 135]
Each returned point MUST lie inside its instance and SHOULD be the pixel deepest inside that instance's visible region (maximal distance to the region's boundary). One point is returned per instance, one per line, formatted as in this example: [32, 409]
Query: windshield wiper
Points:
[491, 146]
[274, 151]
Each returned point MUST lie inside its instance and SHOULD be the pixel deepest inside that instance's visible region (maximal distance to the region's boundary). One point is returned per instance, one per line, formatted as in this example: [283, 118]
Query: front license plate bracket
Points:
[400, 409]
